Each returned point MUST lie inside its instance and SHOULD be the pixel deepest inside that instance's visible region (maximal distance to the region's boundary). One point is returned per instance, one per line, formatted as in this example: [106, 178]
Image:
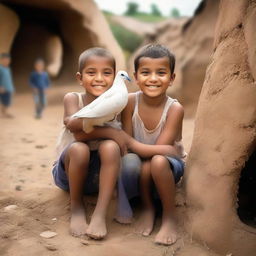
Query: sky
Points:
[186, 7]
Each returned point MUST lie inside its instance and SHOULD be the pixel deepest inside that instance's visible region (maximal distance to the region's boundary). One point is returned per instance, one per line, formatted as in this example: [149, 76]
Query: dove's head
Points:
[123, 74]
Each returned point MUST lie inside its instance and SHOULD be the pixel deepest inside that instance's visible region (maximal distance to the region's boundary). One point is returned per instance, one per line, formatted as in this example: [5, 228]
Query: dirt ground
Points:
[26, 155]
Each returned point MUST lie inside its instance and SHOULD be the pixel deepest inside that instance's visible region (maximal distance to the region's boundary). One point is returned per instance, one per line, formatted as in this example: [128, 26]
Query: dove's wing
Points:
[108, 104]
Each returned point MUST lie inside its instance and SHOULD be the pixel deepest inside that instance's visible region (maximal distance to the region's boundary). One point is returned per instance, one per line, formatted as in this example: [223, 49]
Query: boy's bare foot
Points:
[78, 223]
[97, 227]
[146, 222]
[123, 220]
[167, 234]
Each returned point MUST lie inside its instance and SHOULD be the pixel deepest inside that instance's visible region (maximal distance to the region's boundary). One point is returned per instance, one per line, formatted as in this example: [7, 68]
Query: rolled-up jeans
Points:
[40, 101]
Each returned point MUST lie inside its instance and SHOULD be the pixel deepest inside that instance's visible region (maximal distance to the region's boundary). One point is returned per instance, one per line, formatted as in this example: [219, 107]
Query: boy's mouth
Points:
[98, 86]
[153, 86]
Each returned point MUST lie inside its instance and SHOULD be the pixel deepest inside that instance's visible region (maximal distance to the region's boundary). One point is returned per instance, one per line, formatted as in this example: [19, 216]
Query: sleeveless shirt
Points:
[143, 135]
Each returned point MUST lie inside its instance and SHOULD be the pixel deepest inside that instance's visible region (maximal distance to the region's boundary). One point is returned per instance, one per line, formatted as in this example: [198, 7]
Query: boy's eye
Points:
[144, 72]
[90, 73]
[161, 73]
[107, 73]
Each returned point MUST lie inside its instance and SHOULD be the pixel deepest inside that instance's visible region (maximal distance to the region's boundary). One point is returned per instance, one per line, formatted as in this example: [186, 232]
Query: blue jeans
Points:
[128, 181]
[40, 102]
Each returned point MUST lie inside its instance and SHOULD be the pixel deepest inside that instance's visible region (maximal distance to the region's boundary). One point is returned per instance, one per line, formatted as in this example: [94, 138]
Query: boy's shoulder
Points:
[131, 99]
[176, 108]
[73, 97]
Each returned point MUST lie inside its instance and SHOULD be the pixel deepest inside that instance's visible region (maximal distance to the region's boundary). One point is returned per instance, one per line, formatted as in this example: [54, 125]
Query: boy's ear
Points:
[135, 75]
[79, 77]
[173, 75]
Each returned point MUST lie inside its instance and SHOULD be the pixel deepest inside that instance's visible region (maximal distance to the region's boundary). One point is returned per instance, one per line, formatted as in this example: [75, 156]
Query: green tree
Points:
[132, 9]
[175, 13]
[155, 10]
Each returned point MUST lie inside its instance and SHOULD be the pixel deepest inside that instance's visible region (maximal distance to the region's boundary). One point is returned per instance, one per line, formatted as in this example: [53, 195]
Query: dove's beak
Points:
[128, 78]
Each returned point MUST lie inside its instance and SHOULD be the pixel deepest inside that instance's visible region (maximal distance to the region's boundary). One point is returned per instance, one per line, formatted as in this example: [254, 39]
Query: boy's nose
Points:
[99, 76]
[153, 77]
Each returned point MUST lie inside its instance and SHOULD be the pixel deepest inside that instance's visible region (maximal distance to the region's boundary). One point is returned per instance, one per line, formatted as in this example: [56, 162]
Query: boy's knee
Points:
[159, 162]
[109, 146]
[78, 149]
[131, 165]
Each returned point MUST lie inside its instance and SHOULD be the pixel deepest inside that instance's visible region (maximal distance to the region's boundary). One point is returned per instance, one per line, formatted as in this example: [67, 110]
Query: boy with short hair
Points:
[6, 84]
[39, 81]
[152, 117]
[91, 165]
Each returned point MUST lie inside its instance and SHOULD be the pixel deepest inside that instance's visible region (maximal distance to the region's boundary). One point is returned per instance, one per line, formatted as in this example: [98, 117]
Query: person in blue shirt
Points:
[39, 81]
[6, 84]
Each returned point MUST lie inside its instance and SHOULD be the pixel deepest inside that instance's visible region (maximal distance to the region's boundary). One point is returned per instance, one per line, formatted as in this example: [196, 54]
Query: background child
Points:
[39, 81]
[152, 117]
[6, 84]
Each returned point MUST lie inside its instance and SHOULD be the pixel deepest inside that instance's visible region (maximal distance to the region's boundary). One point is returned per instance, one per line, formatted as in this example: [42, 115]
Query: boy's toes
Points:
[96, 235]
[146, 232]
[165, 240]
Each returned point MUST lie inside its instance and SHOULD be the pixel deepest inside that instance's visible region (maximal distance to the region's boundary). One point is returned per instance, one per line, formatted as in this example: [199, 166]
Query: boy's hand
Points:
[2, 90]
[119, 136]
[122, 140]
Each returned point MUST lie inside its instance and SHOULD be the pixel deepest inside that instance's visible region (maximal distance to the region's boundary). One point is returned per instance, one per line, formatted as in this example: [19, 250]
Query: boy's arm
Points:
[126, 115]
[165, 142]
[173, 126]
[2, 90]
[143, 150]
[75, 125]
[146, 150]
[47, 79]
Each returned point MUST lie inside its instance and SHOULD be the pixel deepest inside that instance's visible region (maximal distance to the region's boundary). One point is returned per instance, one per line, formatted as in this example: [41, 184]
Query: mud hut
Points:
[221, 162]
[57, 30]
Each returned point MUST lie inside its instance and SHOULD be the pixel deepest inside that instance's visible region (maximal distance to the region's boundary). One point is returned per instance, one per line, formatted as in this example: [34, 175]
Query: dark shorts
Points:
[91, 185]
[6, 98]
[177, 166]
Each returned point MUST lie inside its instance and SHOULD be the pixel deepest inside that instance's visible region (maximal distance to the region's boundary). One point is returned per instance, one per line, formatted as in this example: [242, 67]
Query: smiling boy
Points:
[152, 117]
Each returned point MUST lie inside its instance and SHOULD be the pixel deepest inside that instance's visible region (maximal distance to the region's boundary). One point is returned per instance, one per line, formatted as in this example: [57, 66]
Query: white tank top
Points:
[142, 134]
[66, 137]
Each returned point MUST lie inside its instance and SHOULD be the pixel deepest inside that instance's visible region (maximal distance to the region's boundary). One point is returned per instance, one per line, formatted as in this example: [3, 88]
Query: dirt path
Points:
[27, 154]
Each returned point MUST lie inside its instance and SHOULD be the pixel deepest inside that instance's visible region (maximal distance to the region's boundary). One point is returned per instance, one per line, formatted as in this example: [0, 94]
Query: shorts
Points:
[91, 185]
[128, 181]
[6, 98]
[177, 166]
[130, 172]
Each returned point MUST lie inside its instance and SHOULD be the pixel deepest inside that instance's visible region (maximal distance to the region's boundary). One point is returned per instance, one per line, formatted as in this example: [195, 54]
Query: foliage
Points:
[155, 10]
[175, 13]
[132, 9]
[128, 40]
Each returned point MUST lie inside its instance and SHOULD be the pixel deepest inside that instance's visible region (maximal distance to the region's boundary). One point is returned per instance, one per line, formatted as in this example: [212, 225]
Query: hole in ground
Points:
[247, 192]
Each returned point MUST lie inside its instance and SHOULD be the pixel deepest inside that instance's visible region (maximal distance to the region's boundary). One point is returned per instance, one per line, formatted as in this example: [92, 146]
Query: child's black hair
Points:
[155, 51]
[95, 51]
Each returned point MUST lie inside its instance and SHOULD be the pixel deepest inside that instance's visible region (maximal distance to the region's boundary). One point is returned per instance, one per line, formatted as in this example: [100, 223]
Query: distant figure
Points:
[39, 81]
[6, 84]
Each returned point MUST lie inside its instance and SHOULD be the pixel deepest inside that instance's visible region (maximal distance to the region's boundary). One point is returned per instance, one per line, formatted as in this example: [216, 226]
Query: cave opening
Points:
[33, 40]
[247, 192]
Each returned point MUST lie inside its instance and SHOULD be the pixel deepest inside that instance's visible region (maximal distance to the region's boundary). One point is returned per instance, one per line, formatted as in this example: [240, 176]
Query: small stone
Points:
[85, 242]
[18, 188]
[48, 234]
[50, 247]
[10, 207]
[40, 146]
[54, 219]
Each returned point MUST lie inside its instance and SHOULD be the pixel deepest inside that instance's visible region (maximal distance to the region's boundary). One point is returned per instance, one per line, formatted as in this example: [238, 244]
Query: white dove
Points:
[107, 106]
